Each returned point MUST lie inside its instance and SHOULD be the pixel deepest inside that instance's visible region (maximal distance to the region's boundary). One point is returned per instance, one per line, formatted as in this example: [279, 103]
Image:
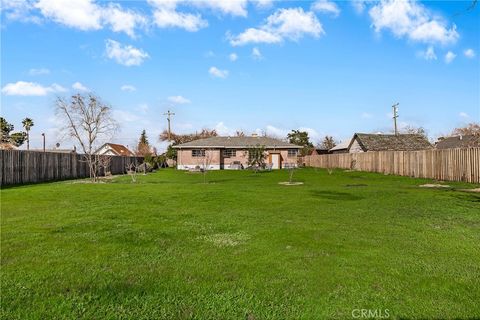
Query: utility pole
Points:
[168, 114]
[395, 116]
[43, 135]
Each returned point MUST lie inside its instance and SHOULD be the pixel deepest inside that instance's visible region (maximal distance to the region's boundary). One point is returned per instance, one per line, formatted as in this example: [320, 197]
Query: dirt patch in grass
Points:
[434, 185]
[286, 183]
[222, 240]
[470, 190]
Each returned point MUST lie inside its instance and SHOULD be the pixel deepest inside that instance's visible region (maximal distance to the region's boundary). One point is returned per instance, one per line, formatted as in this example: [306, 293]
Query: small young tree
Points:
[87, 120]
[204, 162]
[256, 157]
[104, 162]
[27, 125]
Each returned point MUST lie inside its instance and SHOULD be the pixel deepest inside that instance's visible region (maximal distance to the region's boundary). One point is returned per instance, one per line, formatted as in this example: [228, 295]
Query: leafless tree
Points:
[471, 129]
[132, 171]
[104, 162]
[205, 162]
[87, 120]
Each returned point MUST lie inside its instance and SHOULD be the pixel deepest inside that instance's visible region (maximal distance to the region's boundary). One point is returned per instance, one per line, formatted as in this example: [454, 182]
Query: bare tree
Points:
[132, 171]
[87, 119]
[471, 129]
[205, 162]
[104, 162]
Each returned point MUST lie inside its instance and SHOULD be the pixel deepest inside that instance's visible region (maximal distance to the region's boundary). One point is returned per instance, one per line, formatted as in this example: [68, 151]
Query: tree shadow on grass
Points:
[332, 195]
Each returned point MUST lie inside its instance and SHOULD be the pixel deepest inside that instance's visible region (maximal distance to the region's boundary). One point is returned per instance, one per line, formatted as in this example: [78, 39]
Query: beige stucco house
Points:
[217, 153]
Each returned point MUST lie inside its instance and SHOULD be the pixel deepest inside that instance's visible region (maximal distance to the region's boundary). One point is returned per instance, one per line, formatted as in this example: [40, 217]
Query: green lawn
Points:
[240, 247]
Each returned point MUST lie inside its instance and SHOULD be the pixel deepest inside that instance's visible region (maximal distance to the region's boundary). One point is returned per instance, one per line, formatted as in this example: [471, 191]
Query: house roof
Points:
[457, 142]
[341, 146]
[237, 142]
[391, 142]
[119, 149]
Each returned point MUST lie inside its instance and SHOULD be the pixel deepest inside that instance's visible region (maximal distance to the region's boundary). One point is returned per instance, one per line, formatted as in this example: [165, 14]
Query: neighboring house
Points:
[340, 148]
[232, 153]
[112, 149]
[318, 151]
[466, 141]
[364, 142]
[7, 146]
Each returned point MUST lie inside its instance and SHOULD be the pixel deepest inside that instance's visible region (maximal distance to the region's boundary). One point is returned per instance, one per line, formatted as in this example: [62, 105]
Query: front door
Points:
[275, 161]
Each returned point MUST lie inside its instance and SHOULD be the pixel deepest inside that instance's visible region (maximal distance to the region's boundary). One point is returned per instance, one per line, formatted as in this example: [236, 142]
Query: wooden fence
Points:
[446, 164]
[21, 166]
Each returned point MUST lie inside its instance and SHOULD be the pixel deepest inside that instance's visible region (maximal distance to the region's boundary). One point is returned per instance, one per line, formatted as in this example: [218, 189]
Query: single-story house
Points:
[112, 149]
[232, 153]
[364, 142]
[340, 148]
[465, 141]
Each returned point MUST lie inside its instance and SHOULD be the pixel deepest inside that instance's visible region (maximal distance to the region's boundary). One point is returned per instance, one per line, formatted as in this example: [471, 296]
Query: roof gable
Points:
[391, 142]
[457, 142]
[237, 142]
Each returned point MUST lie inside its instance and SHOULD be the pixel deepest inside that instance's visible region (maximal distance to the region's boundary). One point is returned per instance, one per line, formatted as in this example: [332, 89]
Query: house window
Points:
[292, 152]
[227, 153]
[196, 153]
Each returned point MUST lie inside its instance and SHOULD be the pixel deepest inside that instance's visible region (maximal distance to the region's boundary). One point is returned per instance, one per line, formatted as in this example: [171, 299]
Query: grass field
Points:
[240, 247]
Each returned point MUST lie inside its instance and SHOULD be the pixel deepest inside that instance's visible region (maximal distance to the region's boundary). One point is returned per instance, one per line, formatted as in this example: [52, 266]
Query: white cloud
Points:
[23, 88]
[234, 8]
[276, 132]
[143, 108]
[412, 20]
[291, 24]
[81, 14]
[127, 87]
[87, 15]
[256, 54]
[450, 56]
[124, 116]
[366, 115]
[19, 10]
[359, 6]
[326, 6]
[121, 20]
[80, 87]
[252, 35]
[314, 136]
[428, 54]
[38, 72]
[469, 53]
[233, 57]
[217, 73]
[464, 115]
[126, 55]
[178, 100]
[223, 130]
[166, 18]
[263, 4]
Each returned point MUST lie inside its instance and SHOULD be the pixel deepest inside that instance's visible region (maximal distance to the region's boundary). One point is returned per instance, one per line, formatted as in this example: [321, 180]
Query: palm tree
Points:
[28, 124]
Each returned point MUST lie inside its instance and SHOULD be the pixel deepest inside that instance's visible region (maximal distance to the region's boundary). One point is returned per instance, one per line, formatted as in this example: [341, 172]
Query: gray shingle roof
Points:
[458, 142]
[237, 142]
[384, 142]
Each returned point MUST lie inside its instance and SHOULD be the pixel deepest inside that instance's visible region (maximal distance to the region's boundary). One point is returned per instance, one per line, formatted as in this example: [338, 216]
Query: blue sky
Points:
[326, 67]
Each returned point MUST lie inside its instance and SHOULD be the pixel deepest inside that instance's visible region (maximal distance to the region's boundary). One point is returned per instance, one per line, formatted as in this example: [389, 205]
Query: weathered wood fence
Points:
[21, 166]
[446, 164]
